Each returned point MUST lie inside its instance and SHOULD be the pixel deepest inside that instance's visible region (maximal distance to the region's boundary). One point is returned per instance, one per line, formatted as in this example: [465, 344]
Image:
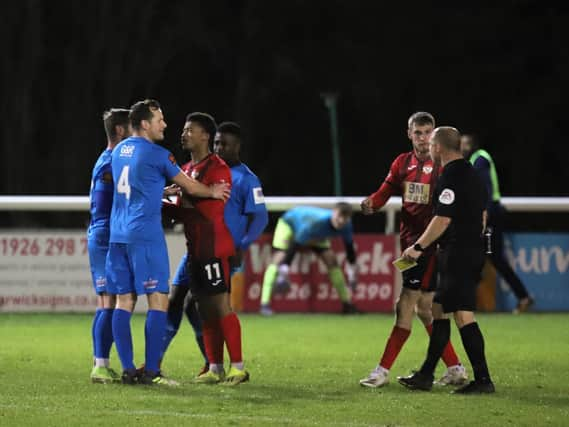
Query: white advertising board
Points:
[49, 271]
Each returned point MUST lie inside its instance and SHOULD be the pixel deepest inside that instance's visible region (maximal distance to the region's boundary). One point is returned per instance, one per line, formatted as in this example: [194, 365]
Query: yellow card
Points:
[403, 264]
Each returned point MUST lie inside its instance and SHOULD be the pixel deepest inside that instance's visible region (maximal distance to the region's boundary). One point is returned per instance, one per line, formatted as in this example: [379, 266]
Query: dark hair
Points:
[474, 140]
[344, 208]
[231, 128]
[142, 110]
[206, 121]
[115, 117]
[421, 118]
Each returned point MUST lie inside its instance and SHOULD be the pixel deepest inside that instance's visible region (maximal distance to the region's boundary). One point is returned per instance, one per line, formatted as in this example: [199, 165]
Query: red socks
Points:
[449, 356]
[231, 329]
[213, 341]
[216, 332]
[393, 347]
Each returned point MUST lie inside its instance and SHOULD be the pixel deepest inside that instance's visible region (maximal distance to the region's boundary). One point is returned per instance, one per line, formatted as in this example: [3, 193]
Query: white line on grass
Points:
[252, 418]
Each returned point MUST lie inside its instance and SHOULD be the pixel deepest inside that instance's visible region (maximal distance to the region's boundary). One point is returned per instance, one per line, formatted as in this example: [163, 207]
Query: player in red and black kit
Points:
[209, 247]
[412, 176]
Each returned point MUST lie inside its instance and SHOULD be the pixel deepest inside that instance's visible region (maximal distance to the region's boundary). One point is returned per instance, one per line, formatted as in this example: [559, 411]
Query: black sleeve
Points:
[446, 203]
[290, 252]
[350, 253]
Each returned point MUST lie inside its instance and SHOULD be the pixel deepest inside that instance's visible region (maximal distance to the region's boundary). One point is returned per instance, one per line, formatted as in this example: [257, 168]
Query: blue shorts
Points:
[182, 276]
[97, 257]
[141, 268]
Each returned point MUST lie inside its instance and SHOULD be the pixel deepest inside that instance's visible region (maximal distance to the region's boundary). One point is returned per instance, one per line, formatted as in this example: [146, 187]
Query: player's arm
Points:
[256, 211]
[302, 235]
[257, 222]
[166, 162]
[291, 252]
[351, 266]
[434, 230]
[219, 190]
[388, 188]
[102, 193]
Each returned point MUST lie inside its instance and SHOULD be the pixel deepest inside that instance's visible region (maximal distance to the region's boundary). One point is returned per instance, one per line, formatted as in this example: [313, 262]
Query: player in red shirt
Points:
[209, 247]
[412, 176]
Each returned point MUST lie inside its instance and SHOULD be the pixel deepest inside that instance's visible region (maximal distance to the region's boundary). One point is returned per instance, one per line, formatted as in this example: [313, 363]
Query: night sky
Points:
[499, 71]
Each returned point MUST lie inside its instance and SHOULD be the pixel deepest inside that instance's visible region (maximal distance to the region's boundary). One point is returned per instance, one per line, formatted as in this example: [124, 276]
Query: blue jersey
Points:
[140, 170]
[101, 197]
[311, 223]
[246, 198]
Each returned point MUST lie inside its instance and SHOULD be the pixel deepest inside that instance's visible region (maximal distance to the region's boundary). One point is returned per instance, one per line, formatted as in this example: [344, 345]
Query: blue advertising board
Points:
[541, 260]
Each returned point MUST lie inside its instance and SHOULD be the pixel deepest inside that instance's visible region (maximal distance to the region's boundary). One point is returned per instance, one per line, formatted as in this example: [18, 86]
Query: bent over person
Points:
[412, 176]
[311, 227]
[458, 225]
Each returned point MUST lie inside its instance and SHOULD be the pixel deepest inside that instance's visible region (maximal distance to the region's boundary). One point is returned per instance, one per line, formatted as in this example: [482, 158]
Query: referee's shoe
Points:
[417, 381]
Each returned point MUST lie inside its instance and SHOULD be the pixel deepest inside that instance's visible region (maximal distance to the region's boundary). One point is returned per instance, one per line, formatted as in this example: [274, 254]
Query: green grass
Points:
[304, 372]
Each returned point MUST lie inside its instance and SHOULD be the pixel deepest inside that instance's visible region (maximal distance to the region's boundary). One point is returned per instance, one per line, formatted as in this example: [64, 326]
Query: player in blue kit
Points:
[246, 217]
[245, 212]
[311, 227]
[117, 128]
[137, 261]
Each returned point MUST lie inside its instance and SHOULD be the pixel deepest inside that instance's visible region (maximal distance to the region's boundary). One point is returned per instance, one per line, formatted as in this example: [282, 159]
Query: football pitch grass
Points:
[304, 372]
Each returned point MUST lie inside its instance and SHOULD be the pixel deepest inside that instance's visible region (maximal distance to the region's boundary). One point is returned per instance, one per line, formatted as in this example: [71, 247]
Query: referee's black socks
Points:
[437, 344]
[473, 343]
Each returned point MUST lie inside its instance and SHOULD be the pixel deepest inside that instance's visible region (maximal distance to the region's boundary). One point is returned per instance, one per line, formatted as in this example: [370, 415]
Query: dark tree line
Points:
[499, 71]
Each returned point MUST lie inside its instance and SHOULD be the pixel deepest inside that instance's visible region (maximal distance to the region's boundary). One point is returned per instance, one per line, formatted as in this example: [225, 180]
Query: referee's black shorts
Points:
[459, 274]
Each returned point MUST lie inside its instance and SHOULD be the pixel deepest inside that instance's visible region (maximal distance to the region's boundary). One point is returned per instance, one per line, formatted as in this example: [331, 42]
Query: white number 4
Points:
[122, 183]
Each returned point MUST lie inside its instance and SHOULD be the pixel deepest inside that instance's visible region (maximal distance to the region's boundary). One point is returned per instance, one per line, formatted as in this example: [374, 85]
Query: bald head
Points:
[447, 137]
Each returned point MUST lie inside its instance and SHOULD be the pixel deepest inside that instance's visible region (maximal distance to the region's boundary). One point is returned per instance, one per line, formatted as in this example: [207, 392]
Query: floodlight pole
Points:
[331, 101]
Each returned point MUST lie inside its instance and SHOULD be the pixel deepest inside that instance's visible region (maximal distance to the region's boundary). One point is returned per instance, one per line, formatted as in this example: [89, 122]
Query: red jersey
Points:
[207, 236]
[414, 180]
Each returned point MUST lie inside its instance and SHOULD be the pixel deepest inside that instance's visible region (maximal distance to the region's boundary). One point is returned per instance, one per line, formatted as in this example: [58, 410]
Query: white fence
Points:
[48, 270]
[279, 204]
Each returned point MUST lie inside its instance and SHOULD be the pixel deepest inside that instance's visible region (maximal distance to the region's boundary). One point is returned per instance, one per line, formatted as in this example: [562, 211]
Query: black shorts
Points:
[423, 276]
[209, 277]
[459, 275]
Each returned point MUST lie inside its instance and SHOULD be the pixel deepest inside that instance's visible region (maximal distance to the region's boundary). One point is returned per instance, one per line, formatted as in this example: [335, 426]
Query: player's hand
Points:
[411, 254]
[367, 206]
[172, 190]
[221, 191]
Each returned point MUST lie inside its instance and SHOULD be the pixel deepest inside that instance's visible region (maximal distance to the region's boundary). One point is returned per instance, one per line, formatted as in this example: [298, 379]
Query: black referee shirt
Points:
[460, 195]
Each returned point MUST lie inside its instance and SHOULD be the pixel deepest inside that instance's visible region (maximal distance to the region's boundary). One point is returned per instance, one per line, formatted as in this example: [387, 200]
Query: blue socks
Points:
[104, 334]
[154, 332]
[93, 330]
[123, 337]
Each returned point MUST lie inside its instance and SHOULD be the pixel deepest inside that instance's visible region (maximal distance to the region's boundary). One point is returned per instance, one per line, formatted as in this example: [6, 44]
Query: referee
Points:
[460, 200]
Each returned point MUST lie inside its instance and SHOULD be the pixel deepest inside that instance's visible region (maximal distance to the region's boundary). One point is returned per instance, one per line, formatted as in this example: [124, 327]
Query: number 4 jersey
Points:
[140, 170]
[414, 180]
